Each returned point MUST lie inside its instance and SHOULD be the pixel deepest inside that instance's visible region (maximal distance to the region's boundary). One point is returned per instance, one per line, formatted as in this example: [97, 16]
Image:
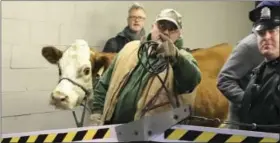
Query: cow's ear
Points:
[100, 60]
[51, 54]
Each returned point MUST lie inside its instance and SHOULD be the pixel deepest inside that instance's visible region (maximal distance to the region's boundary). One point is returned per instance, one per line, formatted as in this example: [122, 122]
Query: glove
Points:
[167, 49]
[95, 119]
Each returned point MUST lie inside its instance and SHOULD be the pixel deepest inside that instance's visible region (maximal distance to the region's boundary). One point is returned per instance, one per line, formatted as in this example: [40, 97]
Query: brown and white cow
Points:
[79, 64]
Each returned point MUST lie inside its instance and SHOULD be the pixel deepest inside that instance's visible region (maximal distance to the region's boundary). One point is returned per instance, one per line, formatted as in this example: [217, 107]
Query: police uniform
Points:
[261, 102]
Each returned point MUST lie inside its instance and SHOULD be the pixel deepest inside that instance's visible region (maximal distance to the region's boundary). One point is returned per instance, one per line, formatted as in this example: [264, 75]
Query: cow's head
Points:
[77, 66]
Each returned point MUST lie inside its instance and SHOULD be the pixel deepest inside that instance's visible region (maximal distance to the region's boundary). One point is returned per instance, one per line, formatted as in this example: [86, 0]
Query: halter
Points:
[87, 94]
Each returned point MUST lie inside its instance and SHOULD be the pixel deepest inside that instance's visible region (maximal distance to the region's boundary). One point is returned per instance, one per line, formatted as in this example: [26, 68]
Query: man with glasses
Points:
[261, 100]
[133, 31]
[148, 76]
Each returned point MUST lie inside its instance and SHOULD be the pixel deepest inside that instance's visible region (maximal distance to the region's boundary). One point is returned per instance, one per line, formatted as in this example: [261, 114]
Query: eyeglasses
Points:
[136, 17]
[166, 25]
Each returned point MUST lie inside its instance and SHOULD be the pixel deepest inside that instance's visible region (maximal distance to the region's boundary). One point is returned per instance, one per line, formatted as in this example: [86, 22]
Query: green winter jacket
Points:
[129, 95]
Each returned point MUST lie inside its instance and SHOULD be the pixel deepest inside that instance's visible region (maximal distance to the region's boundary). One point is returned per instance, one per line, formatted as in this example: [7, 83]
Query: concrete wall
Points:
[27, 78]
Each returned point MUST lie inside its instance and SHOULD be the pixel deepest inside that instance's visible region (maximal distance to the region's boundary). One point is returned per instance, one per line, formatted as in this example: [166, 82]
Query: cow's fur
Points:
[209, 102]
[78, 63]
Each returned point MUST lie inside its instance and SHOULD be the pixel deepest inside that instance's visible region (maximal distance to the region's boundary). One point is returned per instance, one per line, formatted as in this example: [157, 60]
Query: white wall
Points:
[27, 78]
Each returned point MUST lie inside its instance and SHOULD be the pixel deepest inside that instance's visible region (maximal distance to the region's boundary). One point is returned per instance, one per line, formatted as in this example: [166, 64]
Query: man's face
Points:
[136, 19]
[268, 43]
[167, 28]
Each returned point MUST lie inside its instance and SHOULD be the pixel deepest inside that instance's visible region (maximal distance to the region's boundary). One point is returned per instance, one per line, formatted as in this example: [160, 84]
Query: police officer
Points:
[261, 101]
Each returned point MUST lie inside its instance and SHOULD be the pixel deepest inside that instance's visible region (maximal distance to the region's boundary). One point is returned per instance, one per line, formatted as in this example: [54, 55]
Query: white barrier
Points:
[160, 128]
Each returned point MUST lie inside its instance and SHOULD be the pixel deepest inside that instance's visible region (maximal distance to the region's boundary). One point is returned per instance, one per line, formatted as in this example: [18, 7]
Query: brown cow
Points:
[75, 63]
[209, 101]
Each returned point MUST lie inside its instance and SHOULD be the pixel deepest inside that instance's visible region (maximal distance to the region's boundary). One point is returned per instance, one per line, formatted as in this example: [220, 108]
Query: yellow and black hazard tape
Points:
[212, 137]
[71, 136]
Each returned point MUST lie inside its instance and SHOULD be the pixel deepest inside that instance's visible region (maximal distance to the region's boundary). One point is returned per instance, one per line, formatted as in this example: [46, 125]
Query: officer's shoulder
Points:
[250, 41]
[251, 38]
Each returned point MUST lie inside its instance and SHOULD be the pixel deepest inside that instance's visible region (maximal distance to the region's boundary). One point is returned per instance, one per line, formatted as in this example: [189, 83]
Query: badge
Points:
[265, 13]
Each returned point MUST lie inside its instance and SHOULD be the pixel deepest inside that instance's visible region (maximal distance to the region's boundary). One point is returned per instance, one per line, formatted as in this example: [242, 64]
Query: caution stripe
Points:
[212, 137]
[61, 137]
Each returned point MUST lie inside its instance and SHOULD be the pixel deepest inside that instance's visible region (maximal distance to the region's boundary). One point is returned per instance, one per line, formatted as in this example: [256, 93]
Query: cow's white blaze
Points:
[74, 64]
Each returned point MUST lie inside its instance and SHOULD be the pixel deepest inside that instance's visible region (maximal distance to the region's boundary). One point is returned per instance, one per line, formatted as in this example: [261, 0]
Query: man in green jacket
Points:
[128, 90]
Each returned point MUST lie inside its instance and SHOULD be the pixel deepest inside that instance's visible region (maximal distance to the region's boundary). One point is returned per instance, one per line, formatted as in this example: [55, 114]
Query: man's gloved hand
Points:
[95, 119]
[167, 49]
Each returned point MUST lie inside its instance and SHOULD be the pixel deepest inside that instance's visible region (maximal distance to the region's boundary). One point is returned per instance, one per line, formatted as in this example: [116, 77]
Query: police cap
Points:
[266, 15]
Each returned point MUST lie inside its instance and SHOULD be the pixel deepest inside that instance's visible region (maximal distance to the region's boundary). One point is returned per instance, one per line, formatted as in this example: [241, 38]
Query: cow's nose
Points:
[59, 97]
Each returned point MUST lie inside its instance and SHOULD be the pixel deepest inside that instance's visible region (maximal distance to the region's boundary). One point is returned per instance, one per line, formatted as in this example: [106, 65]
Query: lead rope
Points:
[87, 94]
[85, 108]
[164, 66]
[155, 68]
[81, 122]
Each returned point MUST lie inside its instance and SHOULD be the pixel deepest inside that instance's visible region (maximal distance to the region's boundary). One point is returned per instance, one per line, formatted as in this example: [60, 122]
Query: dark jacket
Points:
[261, 102]
[234, 76]
[115, 44]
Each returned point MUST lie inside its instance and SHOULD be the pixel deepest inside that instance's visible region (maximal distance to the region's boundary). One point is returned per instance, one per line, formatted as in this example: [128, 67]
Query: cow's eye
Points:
[86, 70]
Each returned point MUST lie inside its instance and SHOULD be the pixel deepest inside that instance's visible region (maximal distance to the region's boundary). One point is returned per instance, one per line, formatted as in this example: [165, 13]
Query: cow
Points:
[79, 64]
